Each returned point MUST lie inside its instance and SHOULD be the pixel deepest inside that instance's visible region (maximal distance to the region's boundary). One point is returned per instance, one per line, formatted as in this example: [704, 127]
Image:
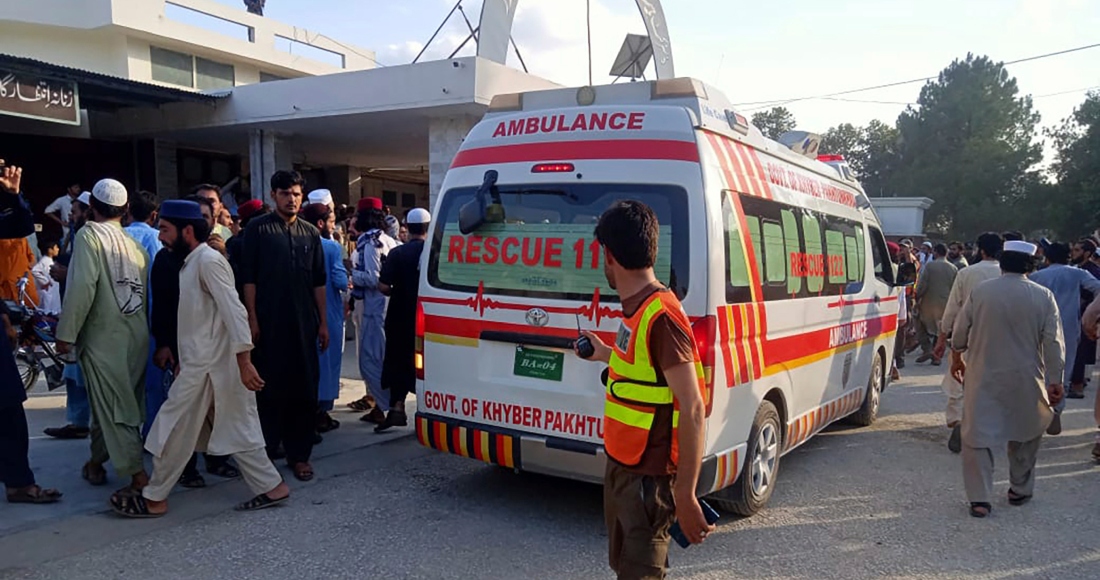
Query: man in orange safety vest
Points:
[654, 410]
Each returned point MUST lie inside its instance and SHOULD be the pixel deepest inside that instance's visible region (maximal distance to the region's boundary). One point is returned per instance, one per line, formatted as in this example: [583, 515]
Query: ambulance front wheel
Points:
[750, 493]
[868, 412]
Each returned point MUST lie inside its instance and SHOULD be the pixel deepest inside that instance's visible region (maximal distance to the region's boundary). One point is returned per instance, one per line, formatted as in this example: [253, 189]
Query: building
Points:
[167, 94]
[902, 217]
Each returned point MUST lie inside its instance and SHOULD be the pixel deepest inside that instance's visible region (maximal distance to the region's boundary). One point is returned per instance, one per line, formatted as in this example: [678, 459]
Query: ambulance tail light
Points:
[704, 331]
[419, 357]
[554, 168]
[677, 88]
[506, 103]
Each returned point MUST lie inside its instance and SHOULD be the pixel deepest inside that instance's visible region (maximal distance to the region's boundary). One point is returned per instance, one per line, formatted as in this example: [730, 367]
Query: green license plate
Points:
[538, 364]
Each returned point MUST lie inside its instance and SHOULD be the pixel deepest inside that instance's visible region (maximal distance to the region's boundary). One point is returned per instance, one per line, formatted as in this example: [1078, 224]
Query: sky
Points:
[761, 51]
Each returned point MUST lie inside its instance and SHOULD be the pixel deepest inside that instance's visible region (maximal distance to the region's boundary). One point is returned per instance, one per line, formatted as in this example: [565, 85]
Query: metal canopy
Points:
[100, 92]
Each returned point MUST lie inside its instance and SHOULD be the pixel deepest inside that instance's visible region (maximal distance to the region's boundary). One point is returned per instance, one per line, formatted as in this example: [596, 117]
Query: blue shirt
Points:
[149, 238]
[1066, 283]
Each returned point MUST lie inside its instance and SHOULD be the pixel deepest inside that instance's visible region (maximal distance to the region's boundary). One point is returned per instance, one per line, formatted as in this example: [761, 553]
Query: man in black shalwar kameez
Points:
[283, 270]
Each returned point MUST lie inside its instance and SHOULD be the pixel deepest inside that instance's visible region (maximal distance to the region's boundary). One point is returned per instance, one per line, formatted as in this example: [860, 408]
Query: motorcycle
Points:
[35, 354]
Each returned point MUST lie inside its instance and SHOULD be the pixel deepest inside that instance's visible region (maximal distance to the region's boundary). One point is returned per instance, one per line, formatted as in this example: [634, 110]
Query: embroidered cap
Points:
[1021, 247]
[110, 192]
[85, 198]
[369, 203]
[419, 216]
[322, 196]
[249, 208]
[180, 209]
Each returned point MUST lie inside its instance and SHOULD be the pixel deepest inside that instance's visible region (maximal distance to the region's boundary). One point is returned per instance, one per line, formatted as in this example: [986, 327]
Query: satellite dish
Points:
[634, 57]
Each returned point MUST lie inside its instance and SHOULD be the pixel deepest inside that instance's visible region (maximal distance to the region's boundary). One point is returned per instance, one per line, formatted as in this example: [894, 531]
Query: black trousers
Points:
[288, 415]
[15, 469]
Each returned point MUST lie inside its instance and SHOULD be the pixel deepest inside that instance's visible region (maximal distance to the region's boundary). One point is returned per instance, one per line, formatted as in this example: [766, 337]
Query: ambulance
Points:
[777, 256]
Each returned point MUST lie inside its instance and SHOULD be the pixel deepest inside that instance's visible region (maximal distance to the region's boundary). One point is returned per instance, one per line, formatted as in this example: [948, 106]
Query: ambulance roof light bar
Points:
[677, 88]
[506, 103]
[830, 158]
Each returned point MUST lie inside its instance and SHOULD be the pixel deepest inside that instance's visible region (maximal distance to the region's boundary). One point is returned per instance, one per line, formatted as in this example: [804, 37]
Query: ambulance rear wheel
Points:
[868, 412]
[750, 493]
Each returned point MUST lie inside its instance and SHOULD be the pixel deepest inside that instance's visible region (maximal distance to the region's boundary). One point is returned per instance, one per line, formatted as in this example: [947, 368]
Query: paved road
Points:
[853, 503]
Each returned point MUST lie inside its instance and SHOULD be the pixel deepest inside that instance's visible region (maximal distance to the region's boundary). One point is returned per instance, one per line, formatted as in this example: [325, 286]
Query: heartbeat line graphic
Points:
[479, 303]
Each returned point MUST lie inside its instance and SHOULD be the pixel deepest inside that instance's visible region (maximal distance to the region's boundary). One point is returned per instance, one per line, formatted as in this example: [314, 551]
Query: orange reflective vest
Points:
[634, 392]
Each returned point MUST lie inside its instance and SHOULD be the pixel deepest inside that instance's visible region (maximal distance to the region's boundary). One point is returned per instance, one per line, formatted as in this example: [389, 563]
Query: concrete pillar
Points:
[266, 155]
[166, 168]
[445, 136]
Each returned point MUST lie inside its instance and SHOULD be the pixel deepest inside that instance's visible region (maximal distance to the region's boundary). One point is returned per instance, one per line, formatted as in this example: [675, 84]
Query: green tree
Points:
[774, 122]
[878, 157]
[969, 145]
[1074, 205]
[844, 139]
[871, 151]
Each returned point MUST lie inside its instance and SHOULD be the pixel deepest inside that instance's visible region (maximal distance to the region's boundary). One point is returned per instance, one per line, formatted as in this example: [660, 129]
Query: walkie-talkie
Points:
[583, 345]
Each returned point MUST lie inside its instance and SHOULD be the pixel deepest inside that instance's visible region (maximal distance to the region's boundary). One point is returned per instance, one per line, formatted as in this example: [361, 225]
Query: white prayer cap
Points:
[1020, 246]
[320, 196]
[110, 192]
[85, 198]
[419, 216]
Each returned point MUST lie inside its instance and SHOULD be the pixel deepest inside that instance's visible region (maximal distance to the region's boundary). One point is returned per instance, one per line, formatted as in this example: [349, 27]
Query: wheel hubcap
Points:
[763, 461]
[876, 385]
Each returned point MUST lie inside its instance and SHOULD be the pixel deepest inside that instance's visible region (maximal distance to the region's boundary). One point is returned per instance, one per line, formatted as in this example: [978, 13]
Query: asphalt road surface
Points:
[885, 501]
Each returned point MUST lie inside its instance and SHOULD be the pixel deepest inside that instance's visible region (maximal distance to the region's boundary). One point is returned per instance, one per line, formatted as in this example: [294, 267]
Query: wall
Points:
[86, 14]
[901, 216]
[108, 36]
[140, 67]
[97, 51]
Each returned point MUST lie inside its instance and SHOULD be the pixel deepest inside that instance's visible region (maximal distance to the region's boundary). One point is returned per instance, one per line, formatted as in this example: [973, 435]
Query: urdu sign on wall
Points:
[34, 97]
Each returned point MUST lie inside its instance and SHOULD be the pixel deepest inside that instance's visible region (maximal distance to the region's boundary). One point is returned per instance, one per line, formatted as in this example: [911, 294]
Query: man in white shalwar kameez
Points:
[1012, 335]
[216, 377]
[989, 247]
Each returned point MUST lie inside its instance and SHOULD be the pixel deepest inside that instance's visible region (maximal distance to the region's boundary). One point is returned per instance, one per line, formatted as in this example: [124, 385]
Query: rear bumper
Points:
[512, 449]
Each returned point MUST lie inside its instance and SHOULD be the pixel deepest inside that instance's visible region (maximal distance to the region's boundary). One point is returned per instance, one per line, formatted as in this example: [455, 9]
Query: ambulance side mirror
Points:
[906, 276]
[472, 214]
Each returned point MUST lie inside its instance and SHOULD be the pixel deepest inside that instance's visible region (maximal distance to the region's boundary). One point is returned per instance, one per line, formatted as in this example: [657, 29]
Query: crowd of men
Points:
[1021, 321]
[195, 327]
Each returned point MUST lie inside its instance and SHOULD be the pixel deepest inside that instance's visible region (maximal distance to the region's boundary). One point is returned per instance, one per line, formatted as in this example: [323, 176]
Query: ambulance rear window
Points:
[545, 244]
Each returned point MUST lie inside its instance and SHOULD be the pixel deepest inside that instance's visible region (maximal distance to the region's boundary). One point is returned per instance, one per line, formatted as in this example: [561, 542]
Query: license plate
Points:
[538, 364]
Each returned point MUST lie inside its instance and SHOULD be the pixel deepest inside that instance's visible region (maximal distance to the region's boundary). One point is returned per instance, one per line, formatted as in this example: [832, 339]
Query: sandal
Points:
[1017, 499]
[192, 480]
[362, 405]
[222, 470]
[34, 494]
[302, 471]
[260, 502]
[980, 509]
[94, 476]
[132, 506]
[376, 416]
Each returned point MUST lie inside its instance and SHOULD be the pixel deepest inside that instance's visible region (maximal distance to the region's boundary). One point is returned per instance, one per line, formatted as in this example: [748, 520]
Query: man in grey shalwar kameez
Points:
[1011, 334]
[373, 246]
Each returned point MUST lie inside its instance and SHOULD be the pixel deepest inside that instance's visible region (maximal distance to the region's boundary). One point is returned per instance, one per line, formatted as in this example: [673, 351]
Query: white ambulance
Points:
[777, 257]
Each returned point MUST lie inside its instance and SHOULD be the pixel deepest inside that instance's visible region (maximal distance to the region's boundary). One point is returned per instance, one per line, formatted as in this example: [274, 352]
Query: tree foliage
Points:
[1074, 202]
[970, 145]
[774, 122]
[871, 151]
